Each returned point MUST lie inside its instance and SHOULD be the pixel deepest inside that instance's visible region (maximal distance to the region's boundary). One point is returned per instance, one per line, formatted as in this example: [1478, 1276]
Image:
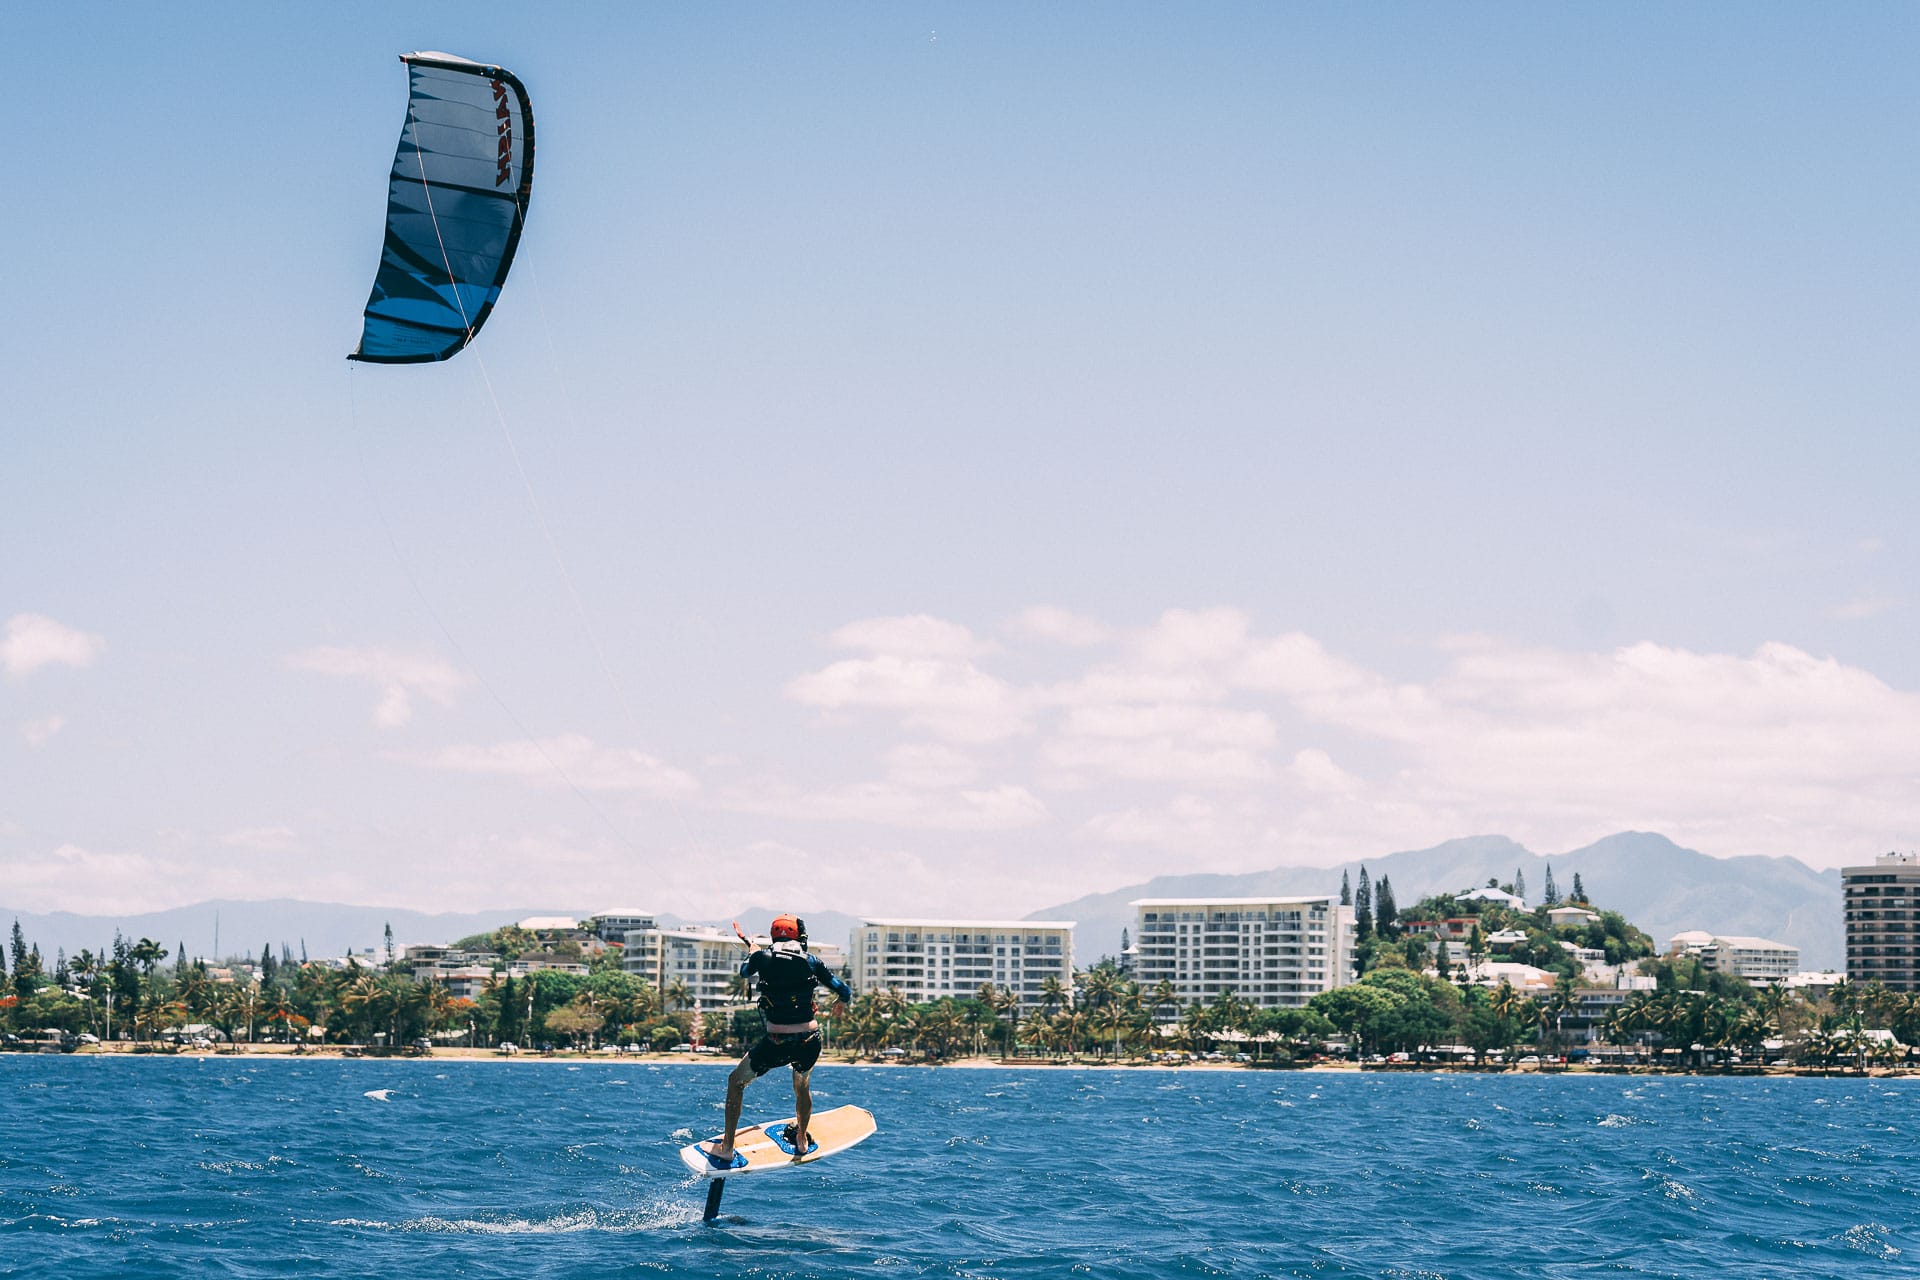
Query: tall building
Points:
[1882, 910]
[928, 959]
[704, 958]
[1270, 952]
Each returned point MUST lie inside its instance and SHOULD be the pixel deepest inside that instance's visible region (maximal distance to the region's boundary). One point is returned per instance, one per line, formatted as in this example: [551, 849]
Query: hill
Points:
[1655, 883]
[321, 928]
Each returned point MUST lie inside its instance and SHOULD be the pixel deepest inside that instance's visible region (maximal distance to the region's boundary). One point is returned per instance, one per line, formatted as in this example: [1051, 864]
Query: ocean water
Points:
[247, 1167]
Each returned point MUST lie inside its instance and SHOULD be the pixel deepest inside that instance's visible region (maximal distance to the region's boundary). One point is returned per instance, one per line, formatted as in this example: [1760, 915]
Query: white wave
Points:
[379, 1095]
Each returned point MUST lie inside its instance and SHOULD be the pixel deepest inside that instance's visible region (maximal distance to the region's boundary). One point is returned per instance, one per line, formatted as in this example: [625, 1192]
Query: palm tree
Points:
[1112, 1019]
[1097, 985]
[677, 995]
[1052, 995]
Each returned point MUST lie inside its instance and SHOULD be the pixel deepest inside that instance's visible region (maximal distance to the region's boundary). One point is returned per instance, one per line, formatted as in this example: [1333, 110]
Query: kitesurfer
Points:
[788, 974]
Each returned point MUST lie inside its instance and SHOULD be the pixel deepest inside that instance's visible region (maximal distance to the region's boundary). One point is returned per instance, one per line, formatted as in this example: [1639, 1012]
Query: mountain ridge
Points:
[1656, 884]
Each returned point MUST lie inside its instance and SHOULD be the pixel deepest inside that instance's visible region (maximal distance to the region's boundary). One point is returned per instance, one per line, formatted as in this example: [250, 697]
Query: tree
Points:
[1520, 884]
[1441, 963]
[1357, 1010]
[389, 942]
[1386, 913]
[1550, 896]
[1346, 891]
[26, 968]
[1579, 890]
[1363, 906]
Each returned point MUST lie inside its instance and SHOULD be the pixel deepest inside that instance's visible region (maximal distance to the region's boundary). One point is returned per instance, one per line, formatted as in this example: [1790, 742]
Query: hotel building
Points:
[1755, 959]
[1881, 903]
[1270, 952]
[705, 958]
[928, 959]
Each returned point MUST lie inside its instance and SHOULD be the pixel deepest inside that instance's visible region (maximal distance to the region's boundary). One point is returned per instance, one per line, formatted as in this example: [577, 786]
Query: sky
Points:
[952, 458]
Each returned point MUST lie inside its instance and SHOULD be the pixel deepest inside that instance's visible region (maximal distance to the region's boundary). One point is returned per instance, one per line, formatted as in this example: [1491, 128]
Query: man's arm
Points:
[831, 980]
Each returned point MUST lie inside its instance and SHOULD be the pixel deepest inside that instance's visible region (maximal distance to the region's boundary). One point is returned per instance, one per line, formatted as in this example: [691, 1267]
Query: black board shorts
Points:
[799, 1051]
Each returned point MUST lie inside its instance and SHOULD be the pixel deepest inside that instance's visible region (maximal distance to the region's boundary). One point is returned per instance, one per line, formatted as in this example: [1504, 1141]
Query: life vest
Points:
[786, 984]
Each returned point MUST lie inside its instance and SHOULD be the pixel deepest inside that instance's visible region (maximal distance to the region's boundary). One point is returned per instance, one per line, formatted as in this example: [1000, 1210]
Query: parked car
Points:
[681, 1048]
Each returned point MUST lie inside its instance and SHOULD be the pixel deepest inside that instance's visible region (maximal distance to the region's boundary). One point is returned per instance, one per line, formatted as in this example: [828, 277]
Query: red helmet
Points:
[785, 929]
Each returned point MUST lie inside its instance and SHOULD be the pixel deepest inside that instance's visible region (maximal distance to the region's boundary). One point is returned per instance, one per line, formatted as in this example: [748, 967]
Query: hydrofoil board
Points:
[760, 1147]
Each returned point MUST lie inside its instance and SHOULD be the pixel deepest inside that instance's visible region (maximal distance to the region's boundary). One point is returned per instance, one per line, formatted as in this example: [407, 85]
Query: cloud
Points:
[74, 878]
[1774, 751]
[918, 636]
[277, 839]
[33, 641]
[1058, 626]
[558, 761]
[1861, 608]
[400, 677]
[950, 699]
[930, 766]
[39, 732]
[1000, 808]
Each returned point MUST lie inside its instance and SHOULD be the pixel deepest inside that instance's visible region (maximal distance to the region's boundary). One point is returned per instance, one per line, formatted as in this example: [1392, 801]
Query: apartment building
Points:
[1882, 911]
[929, 959]
[1271, 952]
[1755, 959]
[615, 924]
[704, 958]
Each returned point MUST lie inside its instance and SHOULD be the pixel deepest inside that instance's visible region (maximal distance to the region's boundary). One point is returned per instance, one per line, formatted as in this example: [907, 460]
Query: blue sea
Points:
[113, 1167]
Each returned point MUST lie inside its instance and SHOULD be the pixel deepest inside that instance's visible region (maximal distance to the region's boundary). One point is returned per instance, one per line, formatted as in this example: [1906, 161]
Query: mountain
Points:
[1652, 881]
[321, 928]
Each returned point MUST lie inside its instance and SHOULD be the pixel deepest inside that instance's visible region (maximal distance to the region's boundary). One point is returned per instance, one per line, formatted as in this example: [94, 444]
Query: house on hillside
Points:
[1492, 897]
[1524, 977]
[1558, 916]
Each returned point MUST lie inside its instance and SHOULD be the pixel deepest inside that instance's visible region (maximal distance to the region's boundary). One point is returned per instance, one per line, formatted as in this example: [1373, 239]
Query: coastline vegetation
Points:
[1412, 1000]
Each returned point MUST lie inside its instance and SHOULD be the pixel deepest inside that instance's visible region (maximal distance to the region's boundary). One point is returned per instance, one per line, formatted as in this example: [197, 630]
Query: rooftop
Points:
[872, 921]
[1274, 900]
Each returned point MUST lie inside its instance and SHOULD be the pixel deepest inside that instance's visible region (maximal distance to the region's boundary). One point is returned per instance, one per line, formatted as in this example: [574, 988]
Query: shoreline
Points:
[579, 1057]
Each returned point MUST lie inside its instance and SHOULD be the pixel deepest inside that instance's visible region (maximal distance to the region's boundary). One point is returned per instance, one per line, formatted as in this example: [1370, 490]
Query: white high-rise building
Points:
[1270, 952]
[705, 958]
[929, 959]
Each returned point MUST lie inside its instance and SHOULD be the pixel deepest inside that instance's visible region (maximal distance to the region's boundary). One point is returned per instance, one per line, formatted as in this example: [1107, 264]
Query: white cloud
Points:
[39, 732]
[998, 808]
[400, 677]
[1863, 607]
[74, 878]
[568, 758]
[950, 699]
[1778, 751]
[917, 636]
[33, 641]
[930, 766]
[1058, 626]
[275, 839]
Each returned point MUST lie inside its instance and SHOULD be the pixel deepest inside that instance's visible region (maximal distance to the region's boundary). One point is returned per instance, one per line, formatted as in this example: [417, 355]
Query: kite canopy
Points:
[455, 205]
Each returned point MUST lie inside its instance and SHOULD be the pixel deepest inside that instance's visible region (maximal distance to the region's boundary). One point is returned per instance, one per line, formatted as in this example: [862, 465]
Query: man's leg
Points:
[736, 1097]
[802, 1110]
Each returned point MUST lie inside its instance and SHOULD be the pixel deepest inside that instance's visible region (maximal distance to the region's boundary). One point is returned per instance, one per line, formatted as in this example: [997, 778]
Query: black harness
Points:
[786, 986]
